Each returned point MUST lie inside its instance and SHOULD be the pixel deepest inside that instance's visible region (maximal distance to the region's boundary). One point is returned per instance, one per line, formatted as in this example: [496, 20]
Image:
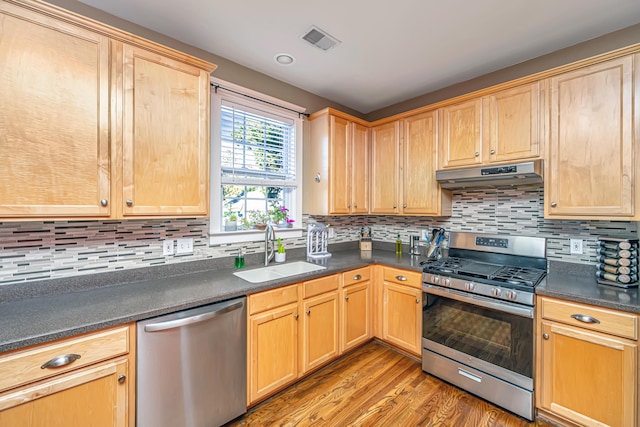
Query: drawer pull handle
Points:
[357, 277]
[584, 318]
[59, 361]
[401, 278]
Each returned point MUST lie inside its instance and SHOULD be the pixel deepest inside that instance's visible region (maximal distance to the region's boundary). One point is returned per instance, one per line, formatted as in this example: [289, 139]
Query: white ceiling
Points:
[391, 51]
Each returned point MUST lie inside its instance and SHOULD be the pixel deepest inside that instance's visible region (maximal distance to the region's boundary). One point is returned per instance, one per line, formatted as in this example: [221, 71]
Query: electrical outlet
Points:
[424, 234]
[167, 247]
[185, 246]
[331, 233]
[575, 246]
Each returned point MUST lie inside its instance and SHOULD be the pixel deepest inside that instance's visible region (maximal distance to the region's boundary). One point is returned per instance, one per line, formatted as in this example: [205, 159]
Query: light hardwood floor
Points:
[377, 386]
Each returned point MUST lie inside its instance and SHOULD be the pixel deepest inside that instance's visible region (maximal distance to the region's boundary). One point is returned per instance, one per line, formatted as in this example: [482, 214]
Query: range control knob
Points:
[496, 292]
[469, 286]
[512, 295]
[435, 279]
[446, 281]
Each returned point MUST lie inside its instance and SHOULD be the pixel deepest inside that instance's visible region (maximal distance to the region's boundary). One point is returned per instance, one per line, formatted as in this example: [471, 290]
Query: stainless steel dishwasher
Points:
[191, 367]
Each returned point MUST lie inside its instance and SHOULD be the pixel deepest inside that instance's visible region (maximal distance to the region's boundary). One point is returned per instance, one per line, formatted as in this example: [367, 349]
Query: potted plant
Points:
[279, 215]
[259, 219]
[230, 221]
[281, 254]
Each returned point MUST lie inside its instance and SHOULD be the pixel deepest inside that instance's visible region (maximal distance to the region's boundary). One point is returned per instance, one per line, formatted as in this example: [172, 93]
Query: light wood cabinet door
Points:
[95, 396]
[273, 351]
[512, 121]
[360, 156]
[590, 170]
[165, 142]
[421, 194]
[460, 134]
[320, 341]
[54, 118]
[339, 166]
[402, 317]
[587, 377]
[355, 315]
[385, 168]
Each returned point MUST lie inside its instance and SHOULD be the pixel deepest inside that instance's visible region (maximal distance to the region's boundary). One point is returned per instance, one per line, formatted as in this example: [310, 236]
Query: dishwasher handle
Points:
[177, 323]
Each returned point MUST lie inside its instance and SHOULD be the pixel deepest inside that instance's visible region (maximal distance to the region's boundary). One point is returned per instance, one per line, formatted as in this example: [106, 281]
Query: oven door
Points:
[489, 335]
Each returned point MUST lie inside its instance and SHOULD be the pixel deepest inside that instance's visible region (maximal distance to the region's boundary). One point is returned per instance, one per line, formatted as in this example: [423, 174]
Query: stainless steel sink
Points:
[280, 271]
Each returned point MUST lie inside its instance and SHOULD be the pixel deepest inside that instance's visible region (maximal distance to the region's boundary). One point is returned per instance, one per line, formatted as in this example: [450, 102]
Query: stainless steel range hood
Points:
[521, 173]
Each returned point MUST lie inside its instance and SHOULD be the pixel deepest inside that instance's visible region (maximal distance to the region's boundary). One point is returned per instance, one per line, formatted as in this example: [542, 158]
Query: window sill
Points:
[251, 235]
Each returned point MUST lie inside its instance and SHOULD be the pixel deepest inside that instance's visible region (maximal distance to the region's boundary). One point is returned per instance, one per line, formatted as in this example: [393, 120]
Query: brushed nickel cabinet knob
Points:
[129, 203]
[122, 379]
[104, 202]
[545, 336]
[554, 204]
[476, 154]
[492, 152]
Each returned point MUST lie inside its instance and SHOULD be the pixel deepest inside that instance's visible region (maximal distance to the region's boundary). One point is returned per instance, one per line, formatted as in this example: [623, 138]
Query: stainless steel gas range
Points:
[478, 306]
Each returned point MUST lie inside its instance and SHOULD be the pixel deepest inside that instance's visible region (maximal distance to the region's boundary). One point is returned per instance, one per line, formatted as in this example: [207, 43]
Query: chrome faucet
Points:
[269, 244]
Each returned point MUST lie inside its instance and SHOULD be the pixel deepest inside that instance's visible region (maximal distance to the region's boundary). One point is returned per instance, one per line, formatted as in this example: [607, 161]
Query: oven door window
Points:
[496, 337]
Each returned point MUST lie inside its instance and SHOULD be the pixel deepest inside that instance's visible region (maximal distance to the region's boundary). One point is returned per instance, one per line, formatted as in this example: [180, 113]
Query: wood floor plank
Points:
[377, 386]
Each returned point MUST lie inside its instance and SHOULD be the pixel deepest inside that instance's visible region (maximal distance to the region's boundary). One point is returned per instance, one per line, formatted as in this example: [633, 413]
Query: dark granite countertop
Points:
[55, 312]
[577, 282]
[52, 316]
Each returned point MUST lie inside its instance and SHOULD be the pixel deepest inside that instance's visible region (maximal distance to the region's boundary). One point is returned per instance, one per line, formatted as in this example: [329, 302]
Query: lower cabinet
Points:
[82, 381]
[320, 330]
[587, 364]
[292, 331]
[355, 308]
[402, 309]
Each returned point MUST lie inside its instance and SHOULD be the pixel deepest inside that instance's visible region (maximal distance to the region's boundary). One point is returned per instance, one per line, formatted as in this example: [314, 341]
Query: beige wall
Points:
[243, 76]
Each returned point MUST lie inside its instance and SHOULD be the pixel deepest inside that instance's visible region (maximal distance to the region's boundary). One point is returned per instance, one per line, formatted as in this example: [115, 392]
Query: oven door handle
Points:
[479, 301]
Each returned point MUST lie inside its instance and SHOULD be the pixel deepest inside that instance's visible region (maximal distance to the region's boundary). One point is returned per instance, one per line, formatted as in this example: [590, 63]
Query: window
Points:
[256, 153]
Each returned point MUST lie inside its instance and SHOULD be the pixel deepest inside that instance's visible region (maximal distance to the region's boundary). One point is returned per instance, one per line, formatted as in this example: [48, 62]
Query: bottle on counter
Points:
[399, 245]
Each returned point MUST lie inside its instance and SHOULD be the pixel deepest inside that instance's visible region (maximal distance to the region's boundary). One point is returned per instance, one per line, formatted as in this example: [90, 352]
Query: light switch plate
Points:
[167, 247]
[185, 246]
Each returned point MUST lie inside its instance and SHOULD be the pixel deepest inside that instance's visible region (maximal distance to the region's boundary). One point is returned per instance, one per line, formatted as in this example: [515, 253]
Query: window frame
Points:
[270, 105]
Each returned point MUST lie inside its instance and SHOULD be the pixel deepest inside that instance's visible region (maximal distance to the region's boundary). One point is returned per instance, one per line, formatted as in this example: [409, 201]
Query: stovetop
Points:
[504, 275]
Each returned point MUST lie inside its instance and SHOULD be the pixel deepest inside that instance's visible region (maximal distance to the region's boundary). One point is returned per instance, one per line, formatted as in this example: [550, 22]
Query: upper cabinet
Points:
[500, 127]
[421, 193]
[460, 141]
[591, 155]
[336, 166]
[54, 117]
[513, 123]
[96, 123]
[165, 135]
[385, 168]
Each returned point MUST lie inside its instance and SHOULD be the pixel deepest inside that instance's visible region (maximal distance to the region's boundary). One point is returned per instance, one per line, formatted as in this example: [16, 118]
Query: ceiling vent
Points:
[320, 38]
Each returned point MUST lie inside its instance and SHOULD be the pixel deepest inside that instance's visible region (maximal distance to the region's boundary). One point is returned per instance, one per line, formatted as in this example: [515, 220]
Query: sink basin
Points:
[275, 272]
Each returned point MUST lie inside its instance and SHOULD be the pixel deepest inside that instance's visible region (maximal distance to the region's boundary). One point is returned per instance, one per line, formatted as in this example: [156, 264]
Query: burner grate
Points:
[519, 275]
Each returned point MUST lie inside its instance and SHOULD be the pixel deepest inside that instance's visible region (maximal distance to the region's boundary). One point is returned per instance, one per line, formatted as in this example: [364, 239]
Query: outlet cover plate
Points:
[167, 247]
[185, 246]
[575, 246]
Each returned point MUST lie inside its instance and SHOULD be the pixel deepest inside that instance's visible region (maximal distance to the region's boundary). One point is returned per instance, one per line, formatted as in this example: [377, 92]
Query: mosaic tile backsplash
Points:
[32, 251]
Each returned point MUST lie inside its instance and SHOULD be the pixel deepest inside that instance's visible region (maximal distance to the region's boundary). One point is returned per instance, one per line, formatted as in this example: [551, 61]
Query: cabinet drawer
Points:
[25, 366]
[610, 321]
[320, 286]
[356, 276]
[403, 277]
[271, 299]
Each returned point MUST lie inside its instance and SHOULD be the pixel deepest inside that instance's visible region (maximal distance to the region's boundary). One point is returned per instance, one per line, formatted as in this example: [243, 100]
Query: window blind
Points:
[257, 147]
